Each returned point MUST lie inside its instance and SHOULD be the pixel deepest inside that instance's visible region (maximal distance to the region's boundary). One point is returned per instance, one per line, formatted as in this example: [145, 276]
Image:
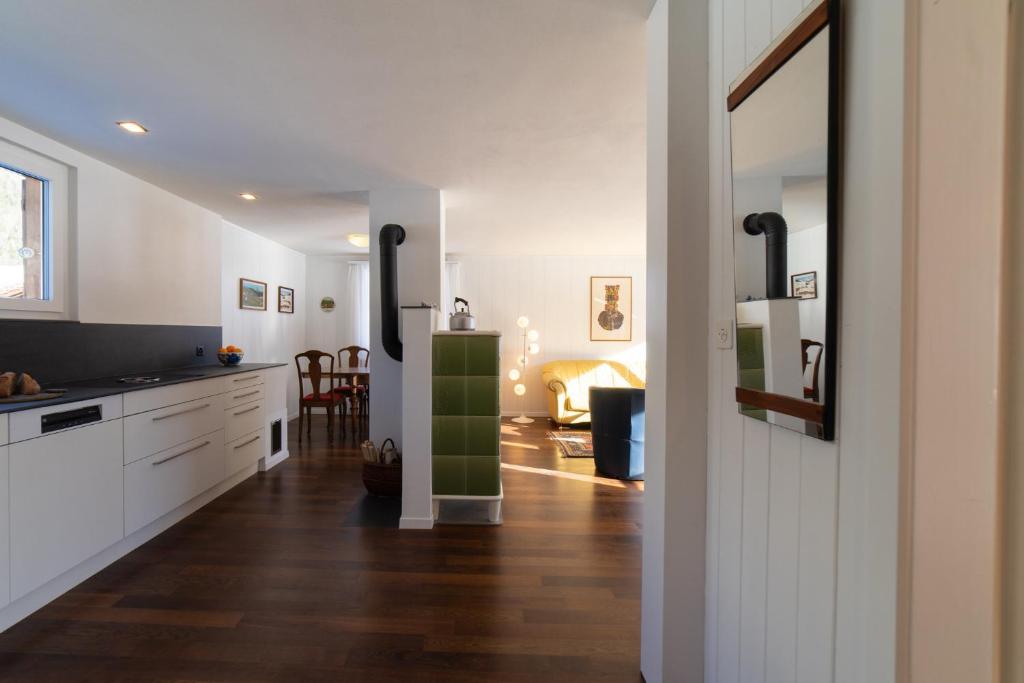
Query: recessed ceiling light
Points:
[359, 239]
[248, 196]
[133, 127]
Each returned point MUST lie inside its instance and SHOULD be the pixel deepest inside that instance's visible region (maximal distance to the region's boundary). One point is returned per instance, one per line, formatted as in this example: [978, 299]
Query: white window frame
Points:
[57, 175]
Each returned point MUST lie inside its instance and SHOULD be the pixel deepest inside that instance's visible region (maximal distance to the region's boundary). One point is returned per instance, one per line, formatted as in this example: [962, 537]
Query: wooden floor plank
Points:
[274, 581]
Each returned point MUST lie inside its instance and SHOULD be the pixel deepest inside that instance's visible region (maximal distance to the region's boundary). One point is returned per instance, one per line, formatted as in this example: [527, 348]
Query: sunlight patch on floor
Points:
[520, 444]
[635, 485]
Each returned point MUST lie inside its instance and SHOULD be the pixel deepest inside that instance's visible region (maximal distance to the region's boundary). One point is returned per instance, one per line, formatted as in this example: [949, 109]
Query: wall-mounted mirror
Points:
[785, 146]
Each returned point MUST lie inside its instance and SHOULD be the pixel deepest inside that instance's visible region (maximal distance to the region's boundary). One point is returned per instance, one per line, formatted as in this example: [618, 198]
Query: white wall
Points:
[554, 293]
[144, 254]
[266, 336]
[1013, 617]
[958, 196]
[327, 276]
[420, 271]
[675, 507]
[801, 556]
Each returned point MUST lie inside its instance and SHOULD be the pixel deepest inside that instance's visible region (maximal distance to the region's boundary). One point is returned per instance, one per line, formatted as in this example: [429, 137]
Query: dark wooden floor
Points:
[282, 579]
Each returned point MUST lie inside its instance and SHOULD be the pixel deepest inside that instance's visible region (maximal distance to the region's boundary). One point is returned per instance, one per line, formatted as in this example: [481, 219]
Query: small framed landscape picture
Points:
[611, 308]
[285, 300]
[252, 294]
[804, 285]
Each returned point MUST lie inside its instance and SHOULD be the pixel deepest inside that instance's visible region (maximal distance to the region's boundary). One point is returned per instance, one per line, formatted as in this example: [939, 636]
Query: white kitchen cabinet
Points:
[156, 485]
[245, 451]
[157, 430]
[5, 527]
[3, 430]
[242, 420]
[161, 397]
[244, 395]
[31, 424]
[248, 379]
[66, 501]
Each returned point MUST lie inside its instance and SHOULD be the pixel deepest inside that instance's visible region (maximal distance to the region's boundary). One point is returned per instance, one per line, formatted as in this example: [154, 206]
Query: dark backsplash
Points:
[57, 352]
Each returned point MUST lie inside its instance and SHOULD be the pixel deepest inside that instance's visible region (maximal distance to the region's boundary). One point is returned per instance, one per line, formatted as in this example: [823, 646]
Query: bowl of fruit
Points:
[230, 355]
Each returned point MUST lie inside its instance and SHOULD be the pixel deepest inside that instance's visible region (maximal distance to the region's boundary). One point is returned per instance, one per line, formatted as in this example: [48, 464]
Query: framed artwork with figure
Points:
[611, 308]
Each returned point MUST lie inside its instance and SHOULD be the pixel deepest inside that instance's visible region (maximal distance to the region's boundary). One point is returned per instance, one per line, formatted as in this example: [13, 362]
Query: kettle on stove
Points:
[461, 321]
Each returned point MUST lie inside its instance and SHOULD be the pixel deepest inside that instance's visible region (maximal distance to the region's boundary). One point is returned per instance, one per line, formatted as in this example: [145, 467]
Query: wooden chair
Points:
[359, 391]
[806, 345]
[318, 398]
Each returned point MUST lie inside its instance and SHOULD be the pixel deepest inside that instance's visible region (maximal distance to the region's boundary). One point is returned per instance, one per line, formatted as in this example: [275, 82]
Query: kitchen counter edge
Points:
[86, 390]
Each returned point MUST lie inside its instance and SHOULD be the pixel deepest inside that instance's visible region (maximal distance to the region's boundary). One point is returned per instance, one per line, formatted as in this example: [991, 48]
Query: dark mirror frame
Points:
[825, 16]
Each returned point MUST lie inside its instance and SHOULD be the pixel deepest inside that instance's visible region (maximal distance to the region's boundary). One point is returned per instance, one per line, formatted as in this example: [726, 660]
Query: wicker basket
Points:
[383, 480]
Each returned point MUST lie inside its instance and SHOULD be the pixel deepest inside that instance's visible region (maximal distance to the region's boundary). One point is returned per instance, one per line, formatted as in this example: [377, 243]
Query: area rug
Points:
[574, 444]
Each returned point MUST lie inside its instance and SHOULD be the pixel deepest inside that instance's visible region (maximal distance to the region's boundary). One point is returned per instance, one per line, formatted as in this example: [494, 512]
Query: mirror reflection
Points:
[780, 200]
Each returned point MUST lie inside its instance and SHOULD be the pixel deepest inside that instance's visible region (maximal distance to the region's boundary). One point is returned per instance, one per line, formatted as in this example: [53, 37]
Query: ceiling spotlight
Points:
[359, 239]
[133, 127]
[248, 196]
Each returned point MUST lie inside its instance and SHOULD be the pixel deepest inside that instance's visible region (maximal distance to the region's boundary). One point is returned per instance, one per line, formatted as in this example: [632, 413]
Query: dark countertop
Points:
[108, 386]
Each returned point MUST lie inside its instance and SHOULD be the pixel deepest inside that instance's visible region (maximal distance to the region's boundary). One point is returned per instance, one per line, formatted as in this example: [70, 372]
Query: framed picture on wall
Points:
[285, 300]
[611, 308]
[804, 285]
[252, 294]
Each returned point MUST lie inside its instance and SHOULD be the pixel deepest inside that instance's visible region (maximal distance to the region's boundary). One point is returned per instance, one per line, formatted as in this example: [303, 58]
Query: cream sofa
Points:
[568, 383]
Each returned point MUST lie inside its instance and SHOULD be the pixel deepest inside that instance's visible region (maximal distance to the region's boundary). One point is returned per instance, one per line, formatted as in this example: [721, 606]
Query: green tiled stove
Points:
[466, 458]
[750, 358]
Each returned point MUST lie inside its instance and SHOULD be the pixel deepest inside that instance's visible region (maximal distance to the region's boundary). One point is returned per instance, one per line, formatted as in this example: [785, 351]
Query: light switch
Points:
[723, 334]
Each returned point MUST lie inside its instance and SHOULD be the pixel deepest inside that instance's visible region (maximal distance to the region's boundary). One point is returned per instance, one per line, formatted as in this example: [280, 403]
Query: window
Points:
[23, 252]
[33, 234]
[358, 332]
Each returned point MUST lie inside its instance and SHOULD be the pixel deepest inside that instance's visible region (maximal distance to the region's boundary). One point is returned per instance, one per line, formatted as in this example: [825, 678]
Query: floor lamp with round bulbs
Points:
[530, 347]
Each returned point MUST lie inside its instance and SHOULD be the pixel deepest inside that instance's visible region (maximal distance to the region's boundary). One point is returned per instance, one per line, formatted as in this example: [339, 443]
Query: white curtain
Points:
[358, 323]
[452, 288]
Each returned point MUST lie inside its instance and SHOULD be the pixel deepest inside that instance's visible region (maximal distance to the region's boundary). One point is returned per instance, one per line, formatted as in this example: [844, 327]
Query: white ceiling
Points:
[529, 114]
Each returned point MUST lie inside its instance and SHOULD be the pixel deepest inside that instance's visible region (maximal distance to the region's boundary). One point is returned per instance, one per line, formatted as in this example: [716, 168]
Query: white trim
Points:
[416, 523]
[272, 461]
[57, 176]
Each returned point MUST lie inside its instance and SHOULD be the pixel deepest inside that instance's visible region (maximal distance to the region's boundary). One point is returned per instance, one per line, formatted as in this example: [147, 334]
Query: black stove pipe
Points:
[391, 236]
[773, 226]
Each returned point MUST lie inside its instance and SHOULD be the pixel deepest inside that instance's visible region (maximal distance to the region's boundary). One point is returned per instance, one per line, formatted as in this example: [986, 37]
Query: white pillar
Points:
[417, 412]
[672, 602]
[420, 271]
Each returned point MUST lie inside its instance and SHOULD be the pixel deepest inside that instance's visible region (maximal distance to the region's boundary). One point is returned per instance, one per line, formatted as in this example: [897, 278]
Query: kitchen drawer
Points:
[3, 430]
[66, 501]
[28, 424]
[243, 419]
[160, 483]
[161, 397]
[157, 430]
[243, 395]
[246, 379]
[245, 451]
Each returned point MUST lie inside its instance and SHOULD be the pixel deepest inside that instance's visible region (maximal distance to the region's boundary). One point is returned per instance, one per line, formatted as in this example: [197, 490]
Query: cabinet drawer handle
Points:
[178, 455]
[181, 412]
[248, 410]
[251, 393]
[245, 379]
[255, 438]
